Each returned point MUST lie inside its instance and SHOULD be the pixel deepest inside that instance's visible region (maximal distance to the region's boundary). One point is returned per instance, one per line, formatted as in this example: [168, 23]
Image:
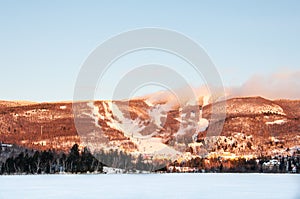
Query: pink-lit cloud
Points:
[284, 84]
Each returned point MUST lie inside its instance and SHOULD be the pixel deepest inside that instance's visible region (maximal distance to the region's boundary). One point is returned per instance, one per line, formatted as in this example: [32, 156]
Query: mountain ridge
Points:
[253, 126]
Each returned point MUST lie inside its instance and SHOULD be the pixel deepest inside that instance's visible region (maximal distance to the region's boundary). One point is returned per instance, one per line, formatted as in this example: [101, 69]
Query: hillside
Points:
[253, 126]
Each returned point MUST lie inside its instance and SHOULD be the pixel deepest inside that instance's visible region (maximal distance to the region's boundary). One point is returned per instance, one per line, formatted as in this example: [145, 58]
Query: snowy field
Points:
[152, 186]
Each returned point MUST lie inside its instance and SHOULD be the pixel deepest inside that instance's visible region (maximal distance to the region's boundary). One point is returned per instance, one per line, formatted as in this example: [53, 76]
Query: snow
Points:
[132, 128]
[276, 122]
[148, 186]
[206, 100]
[63, 107]
[95, 113]
[157, 112]
[126, 125]
[202, 124]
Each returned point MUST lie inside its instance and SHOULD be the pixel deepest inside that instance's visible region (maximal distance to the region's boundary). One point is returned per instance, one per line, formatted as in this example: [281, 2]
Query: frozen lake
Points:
[152, 186]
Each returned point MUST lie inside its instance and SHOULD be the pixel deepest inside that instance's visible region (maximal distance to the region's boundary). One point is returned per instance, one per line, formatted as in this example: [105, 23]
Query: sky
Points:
[254, 45]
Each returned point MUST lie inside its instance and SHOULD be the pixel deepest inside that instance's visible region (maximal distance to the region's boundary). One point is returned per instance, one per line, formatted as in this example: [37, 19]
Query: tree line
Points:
[129, 162]
[76, 161]
[83, 161]
[50, 162]
[264, 164]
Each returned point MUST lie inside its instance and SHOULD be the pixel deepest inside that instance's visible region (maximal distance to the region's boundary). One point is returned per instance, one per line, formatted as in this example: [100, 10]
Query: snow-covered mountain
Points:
[253, 126]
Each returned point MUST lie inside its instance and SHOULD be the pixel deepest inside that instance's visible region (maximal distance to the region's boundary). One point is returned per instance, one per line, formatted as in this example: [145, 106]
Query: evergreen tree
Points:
[73, 159]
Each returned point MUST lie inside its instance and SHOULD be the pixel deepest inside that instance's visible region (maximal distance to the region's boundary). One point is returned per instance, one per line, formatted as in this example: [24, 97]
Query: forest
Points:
[15, 160]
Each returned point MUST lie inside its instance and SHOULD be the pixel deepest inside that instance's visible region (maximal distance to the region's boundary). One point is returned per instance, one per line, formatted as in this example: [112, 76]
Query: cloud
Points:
[284, 84]
[201, 95]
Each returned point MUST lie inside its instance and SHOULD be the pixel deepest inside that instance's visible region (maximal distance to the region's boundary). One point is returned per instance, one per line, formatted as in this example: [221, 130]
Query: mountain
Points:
[4, 103]
[253, 126]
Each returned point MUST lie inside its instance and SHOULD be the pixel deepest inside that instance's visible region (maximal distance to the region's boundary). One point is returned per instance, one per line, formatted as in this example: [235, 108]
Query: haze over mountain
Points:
[282, 84]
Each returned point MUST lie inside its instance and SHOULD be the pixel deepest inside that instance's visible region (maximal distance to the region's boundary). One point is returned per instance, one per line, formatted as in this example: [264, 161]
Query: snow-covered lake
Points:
[152, 186]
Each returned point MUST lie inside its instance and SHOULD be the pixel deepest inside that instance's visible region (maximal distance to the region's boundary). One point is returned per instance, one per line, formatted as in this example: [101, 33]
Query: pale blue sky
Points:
[44, 43]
